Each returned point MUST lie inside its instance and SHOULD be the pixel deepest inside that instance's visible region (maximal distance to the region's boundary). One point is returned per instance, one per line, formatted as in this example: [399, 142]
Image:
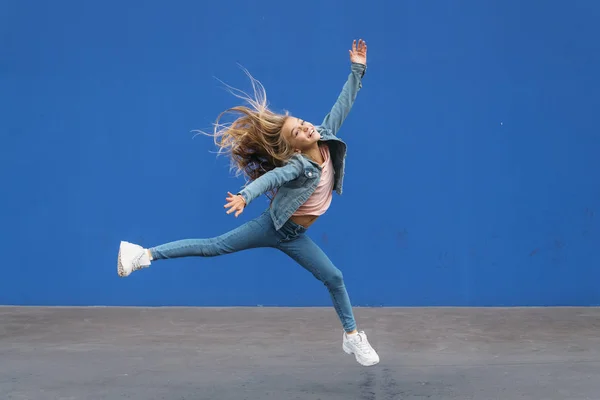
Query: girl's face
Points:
[301, 134]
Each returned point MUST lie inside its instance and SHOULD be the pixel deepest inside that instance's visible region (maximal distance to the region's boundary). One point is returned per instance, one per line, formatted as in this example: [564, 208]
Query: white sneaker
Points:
[131, 258]
[359, 346]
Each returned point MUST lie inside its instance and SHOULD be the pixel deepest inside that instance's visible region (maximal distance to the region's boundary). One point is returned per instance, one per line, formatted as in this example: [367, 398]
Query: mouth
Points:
[311, 133]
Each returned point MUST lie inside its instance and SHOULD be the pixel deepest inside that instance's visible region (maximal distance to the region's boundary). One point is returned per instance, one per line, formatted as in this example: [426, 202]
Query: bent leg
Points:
[310, 256]
[258, 232]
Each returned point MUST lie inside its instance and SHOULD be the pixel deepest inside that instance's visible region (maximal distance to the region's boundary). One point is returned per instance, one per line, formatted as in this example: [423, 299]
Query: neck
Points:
[314, 154]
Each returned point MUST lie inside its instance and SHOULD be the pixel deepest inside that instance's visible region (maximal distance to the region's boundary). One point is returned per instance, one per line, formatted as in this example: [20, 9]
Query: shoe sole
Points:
[366, 364]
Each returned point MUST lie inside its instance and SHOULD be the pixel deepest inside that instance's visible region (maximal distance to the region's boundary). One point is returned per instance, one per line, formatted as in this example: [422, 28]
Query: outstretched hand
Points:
[235, 203]
[358, 54]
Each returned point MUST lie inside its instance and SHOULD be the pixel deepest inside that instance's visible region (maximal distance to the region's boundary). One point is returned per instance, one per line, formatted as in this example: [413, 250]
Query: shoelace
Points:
[362, 344]
[136, 262]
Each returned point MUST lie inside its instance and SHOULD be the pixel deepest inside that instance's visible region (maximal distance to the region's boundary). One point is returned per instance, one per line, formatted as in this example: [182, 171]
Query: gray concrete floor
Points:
[295, 353]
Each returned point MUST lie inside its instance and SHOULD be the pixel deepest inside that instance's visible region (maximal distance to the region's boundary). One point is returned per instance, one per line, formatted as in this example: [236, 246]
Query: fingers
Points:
[230, 200]
[235, 207]
[238, 210]
[235, 204]
[360, 48]
[233, 197]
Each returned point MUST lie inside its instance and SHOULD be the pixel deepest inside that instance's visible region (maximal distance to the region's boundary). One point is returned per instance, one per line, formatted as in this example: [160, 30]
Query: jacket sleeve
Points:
[273, 179]
[333, 121]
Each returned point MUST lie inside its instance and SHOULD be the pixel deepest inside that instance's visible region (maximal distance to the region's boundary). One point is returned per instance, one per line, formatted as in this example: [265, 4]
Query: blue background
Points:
[472, 175]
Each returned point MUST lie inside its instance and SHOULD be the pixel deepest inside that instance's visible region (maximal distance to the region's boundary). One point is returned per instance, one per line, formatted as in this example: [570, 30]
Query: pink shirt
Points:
[320, 200]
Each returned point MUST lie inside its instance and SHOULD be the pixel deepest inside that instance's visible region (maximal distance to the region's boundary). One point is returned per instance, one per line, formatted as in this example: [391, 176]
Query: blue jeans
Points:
[261, 232]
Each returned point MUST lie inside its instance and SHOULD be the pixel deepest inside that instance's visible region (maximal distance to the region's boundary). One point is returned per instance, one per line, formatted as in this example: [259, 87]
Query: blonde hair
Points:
[253, 140]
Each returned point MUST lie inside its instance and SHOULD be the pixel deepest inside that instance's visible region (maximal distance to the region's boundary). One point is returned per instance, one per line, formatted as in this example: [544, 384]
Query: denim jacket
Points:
[298, 178]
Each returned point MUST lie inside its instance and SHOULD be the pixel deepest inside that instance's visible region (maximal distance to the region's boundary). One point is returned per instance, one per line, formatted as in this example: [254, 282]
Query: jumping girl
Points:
[298, 166]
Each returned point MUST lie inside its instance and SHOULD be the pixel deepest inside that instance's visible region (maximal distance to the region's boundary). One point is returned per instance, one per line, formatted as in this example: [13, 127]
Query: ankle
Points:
[149, 254]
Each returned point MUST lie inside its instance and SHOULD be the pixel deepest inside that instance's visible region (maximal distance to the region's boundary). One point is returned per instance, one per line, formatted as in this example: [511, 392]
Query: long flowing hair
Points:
[253, 140]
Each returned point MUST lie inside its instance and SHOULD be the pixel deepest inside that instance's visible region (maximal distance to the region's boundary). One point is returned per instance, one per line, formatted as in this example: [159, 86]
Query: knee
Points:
[334, 279]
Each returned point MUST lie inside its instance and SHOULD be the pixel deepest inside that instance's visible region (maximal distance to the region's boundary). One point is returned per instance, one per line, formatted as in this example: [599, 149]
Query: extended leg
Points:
[252, 234]
[258, 232]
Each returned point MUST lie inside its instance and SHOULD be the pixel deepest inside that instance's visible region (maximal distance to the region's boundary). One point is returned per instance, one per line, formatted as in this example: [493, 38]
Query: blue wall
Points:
[473, 149]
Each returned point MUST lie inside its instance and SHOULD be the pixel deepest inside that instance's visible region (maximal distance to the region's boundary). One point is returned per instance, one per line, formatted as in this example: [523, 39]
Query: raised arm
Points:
[340, 110]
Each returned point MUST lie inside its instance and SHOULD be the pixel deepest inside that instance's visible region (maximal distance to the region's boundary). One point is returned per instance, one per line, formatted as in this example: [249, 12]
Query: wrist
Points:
[359, 68]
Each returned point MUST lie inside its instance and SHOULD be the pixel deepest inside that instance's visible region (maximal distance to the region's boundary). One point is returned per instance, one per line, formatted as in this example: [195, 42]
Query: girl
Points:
[298, 165]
